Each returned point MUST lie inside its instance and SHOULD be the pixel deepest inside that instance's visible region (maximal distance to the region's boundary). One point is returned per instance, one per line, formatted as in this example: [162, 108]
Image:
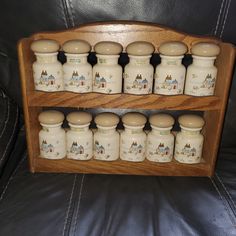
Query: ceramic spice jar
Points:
[79, 139]
[160, 141]
[47, 70]
[106, 138]
[201, 74]
[107, 73]
[52, 140]
[77, 70]
[133, 138]
[138, 73]
[170, 74]
[189, 141]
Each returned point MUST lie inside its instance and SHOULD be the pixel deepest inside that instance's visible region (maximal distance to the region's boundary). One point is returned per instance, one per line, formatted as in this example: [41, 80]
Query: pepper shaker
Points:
[201, 74]
[170, 74]
[189, 141]
[47, 70]
[107, 73]
[133, 138]
[138, 73]
[106, 138]
[52, 140]
[79, 138]
[160, 141]
[77, 70]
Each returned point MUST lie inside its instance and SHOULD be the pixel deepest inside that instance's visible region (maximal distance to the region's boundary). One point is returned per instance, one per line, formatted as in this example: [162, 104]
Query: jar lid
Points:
[79, 118]
[191, 121]
[173, 48]
[107, 119]
[76, 46]
[161, 120]
[140, 48]
[108, 48]
[205, 49]
[51, 117]
[134, 119]
[45, 46]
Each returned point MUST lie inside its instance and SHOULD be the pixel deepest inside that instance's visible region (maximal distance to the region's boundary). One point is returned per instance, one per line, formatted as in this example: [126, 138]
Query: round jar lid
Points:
[79, 118]
[51, 117]
[107, 119]
[45, 46]
[76, 46]
[108, 48]
[191, 121]
[134, 119]
[161, 120]
[205, 49]
[173, 48]
[140, 48]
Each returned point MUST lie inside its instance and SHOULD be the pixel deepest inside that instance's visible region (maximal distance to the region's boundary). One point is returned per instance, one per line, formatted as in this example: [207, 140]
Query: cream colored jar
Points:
[189, 141]
[106, 138]
[77, 71]
[79, 139]
[202, 74]
[170, 74]
[107, 73]
[160, 141]
[138, 73]
[52, 140]
[133, 138]
[47, 70]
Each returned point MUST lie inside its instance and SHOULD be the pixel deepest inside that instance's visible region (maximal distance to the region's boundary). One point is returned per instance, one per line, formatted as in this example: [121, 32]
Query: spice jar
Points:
[47, 70]
[52, 140]
[77, 70]
[189, 141]
[107, 73]
[79, 139]
[160, 141]
[138, 73]
[170, 74]
[133, 138]
[106, 138]
[201, 74]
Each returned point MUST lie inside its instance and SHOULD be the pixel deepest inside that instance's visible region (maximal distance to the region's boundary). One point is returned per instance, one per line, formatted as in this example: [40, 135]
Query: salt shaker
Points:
[77, 70]
[138, 73]
[133, 138]
[52, 140]
[160, 141]
[106, 138]
[79, 138]
[47, 70]
[170, 74]
[189, 141]
[201, 74]
[107, 73]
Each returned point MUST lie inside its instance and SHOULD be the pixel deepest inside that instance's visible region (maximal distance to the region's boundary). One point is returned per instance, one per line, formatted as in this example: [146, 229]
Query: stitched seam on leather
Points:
[219, 17]
[72, 12]
[227, 192]
[225, 19]
[78, 207]
[7, 119]
[69, 205]
[224, 202]
[12, 177]
[12, 134]
[66, 13]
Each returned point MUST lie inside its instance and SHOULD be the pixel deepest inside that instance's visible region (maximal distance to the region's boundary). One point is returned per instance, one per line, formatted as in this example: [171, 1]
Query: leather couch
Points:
[111, 205]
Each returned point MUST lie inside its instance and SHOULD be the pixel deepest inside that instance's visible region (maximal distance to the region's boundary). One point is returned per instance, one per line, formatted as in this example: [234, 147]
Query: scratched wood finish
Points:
[126, 32]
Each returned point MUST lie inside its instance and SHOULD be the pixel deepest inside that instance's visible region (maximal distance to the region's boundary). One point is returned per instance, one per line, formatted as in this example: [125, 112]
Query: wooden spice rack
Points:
[126, 32]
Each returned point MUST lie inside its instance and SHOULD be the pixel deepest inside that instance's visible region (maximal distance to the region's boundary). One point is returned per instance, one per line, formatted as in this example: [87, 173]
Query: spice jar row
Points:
[131, 144]
[77, 75]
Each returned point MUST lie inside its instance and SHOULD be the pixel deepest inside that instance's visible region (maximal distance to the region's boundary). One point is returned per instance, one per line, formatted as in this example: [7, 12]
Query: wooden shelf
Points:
[121, 167]
[151, 101]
